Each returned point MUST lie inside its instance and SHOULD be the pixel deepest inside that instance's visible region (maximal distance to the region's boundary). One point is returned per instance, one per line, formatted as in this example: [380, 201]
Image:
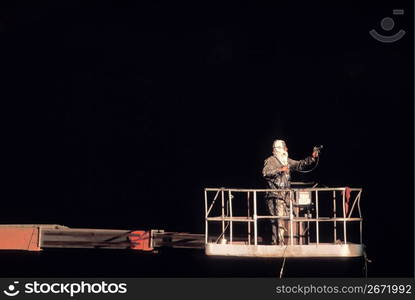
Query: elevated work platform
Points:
[231, 212]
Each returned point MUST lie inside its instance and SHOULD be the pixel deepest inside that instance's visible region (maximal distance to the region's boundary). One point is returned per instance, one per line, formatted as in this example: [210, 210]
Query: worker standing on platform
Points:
[276, 171]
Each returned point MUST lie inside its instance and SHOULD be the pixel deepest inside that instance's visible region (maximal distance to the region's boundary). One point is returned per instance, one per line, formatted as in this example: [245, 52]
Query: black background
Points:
[117, 114]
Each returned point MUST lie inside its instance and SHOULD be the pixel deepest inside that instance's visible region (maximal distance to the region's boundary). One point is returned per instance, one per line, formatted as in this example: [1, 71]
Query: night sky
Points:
[117, 114]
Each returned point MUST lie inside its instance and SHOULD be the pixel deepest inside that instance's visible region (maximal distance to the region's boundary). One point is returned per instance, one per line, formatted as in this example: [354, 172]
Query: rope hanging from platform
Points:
[366, 259]
[283, 262]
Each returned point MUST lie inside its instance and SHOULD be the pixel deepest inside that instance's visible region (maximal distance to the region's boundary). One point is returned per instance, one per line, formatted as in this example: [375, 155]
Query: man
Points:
[276, 171]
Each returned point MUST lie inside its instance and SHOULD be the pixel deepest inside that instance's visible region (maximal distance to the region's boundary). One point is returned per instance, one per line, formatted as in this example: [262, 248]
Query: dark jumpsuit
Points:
[277, 201]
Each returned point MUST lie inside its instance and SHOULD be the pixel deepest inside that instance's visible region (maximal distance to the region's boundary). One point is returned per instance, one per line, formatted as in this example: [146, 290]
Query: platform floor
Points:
[312, 250]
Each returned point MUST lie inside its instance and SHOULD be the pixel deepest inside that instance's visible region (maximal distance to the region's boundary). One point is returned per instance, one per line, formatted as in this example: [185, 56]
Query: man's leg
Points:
[272, 208]
[281, 212]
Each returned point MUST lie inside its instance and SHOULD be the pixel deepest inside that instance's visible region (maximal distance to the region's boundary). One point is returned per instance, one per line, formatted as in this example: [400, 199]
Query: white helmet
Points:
[279, 144]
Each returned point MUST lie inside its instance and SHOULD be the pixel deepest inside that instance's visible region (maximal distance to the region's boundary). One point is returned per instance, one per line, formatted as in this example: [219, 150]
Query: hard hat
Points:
[279, 144]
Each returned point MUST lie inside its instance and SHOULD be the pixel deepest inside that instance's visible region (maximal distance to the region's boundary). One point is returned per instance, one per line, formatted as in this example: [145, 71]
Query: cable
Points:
[315, 166]
[366, 259]
[318, 150]
[283, 262]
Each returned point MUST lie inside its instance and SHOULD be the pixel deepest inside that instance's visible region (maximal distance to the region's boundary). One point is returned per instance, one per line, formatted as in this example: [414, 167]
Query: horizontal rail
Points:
[244, 219]
[327, 220]
[234, 219]
[281, 190]
[273, 217]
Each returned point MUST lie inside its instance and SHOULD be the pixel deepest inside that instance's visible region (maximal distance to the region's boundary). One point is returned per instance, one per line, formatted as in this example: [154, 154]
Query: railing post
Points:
[255, 221]
[317, 223]
[223, 213]
[344, 216]
[291, 220]
[231, 215]
[334, 216]
[249, 222]
[360, 216]
[206, 218]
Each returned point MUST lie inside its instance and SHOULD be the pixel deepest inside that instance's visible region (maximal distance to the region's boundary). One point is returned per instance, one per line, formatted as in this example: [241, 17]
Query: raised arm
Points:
[299, 165]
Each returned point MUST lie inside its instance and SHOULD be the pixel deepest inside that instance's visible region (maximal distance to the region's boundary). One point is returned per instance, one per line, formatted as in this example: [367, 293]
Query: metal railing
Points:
[350, 197]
